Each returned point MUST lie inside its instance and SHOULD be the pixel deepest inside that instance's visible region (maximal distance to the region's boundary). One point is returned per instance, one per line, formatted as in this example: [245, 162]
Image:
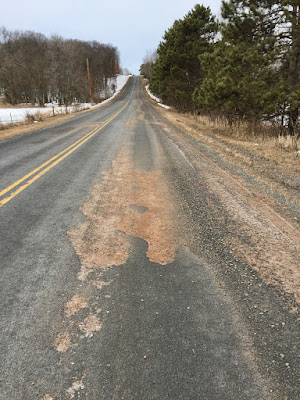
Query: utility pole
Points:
[89, 78]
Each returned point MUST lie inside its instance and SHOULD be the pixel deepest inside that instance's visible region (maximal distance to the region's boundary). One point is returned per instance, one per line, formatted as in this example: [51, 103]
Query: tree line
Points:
[244, 67]
[34, 68]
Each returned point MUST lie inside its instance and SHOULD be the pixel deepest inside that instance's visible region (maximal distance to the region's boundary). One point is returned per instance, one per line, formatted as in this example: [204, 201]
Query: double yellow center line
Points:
[35, 174]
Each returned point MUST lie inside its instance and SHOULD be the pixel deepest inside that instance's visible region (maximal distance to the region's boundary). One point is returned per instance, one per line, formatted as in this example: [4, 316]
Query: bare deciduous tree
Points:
[36, 69]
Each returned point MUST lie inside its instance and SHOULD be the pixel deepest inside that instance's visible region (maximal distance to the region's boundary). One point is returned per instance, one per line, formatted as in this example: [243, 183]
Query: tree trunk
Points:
[294, 66]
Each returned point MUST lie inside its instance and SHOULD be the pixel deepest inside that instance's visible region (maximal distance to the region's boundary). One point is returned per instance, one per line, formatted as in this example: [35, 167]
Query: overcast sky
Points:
[134, 26]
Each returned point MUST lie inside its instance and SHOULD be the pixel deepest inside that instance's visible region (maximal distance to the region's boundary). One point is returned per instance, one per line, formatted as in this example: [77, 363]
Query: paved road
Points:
[110, 258]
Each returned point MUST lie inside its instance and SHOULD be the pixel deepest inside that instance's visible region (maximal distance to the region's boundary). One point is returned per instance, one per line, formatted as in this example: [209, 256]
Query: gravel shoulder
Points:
[242, 212]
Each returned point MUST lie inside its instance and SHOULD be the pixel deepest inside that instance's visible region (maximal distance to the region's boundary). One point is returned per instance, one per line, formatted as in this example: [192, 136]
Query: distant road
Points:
[114, 250]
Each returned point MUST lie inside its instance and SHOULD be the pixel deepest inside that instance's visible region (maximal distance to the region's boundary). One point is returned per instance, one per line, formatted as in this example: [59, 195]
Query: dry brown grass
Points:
[281, 150]
[248, 132]
[288, 143]
[266, 138]
[37, 116]
[10, 130]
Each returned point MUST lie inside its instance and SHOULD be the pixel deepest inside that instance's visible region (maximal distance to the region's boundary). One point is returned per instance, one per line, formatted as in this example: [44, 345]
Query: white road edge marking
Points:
[182, 153]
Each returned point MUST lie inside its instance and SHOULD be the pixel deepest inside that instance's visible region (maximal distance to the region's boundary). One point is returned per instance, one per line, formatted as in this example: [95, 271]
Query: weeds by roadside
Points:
[35, 117]
[273, 161]
[250, 132]
[18, 128]
[269, 137]
[288, 143]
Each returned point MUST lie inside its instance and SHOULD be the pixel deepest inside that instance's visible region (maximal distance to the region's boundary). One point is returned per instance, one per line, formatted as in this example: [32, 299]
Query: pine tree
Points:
[253, 72]
[177, 70]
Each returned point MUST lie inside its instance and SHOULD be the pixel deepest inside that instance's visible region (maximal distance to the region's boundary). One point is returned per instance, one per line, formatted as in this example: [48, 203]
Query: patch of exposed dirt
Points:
[90, 325]
[75, 304]
[75, 388]
[113, 213]
[62, 342]
[131, 122]
[99, 283]
[261, 240]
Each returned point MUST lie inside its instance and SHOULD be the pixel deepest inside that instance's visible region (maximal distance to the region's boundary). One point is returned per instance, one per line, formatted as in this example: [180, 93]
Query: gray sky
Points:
[131, 25]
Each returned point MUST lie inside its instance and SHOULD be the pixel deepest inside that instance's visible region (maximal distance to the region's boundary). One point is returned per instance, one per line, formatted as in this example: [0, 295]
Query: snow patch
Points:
[156, 99]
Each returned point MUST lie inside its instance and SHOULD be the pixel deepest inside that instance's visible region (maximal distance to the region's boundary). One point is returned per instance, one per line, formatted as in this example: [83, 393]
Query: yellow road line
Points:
[65, 153]
[7, 189]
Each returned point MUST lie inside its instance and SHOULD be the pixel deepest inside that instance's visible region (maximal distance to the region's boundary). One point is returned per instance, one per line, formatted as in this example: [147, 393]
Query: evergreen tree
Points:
[253, 72]
[177, 70]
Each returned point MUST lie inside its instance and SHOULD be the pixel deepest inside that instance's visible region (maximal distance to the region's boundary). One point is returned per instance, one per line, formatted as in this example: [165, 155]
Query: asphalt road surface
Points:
[117, 278]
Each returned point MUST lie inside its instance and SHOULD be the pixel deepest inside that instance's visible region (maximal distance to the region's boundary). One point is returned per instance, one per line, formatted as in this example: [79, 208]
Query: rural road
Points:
[122, 268]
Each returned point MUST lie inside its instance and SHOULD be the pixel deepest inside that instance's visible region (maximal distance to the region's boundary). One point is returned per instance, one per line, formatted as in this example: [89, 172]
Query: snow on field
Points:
[14, 114]
[156, 99]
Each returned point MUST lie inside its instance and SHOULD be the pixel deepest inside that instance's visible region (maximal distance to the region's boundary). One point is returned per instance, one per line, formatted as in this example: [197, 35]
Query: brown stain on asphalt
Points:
[140, 117]
[131, 122]
[99, 283]
[261, 240]
[126, 202]
[90, 325]
[75, 304]
[102, 240]
[75, 388]
[62, 342]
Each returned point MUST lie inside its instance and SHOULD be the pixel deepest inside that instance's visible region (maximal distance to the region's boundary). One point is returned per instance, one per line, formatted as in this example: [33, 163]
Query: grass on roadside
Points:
[270, 138]
[36, 119]
[10, 130]
[259, 133]
[281, 150]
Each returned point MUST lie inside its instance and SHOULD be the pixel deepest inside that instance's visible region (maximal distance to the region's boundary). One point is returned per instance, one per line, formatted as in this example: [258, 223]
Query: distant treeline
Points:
[34, 68]
[246, 67]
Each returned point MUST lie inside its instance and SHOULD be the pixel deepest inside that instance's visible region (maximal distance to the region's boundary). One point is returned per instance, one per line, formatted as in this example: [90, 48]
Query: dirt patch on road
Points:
[90, 325]
[62, 342]
[261, 238]
[75, 304]
[75, 388]
[113, 213]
